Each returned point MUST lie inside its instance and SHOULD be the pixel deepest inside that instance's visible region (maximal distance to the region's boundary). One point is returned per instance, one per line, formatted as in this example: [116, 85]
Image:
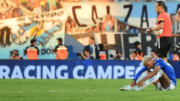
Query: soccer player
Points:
[162, 76]
[163, 22]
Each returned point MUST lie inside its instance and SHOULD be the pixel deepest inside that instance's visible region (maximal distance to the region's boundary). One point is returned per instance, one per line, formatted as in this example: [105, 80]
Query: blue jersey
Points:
[166, 67]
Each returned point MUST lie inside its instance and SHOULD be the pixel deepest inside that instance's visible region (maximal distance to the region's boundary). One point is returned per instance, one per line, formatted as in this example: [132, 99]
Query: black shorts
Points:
[164, 45]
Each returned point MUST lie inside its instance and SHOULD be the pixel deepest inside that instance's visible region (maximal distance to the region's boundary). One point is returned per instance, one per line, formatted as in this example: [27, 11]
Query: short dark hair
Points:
[33, 40]
[86, 50]
[60, 40]
[134, 52]
[16, 50]
[161, 3]
[91, 38]
[136, 43]
[119, 52]
[11, 52]
[155, 51]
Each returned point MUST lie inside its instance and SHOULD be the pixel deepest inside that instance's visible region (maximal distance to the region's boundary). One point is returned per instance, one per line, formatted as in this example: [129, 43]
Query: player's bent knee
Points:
[161, 72]
[170, 87]
[164, 80]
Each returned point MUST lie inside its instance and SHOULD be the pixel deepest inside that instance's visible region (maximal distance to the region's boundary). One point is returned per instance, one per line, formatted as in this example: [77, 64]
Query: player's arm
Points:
[160, 26]
[150, 75]
[175, 35]
[137, 75]
[154, 72]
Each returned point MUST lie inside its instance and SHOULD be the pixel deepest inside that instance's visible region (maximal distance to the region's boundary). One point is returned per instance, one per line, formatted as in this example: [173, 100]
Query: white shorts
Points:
[171, 86]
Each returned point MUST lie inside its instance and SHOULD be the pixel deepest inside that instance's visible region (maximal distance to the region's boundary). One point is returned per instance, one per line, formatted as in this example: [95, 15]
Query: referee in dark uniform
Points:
[163, 22]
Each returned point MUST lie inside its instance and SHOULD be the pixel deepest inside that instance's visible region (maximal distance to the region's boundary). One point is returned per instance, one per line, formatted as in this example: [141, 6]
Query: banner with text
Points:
[76, 69]
[138, 14]
[16, 33]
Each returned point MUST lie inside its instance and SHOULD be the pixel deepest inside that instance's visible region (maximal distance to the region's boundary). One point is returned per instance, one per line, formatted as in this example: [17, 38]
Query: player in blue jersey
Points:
[162, 76]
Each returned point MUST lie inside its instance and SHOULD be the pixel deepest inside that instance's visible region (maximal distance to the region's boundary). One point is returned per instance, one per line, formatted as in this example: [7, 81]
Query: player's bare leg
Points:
[155, 83]
[153, 80]
[164, 81]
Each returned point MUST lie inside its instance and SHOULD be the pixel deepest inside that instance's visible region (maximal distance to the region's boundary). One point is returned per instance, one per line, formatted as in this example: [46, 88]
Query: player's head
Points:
[91, 40]
[159, 6]
[148, 61]
[59, 40]
[33, 42]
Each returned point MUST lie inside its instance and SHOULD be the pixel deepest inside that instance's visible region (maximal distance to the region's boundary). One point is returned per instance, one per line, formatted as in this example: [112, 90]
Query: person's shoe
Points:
[126, 88]
[136, 88]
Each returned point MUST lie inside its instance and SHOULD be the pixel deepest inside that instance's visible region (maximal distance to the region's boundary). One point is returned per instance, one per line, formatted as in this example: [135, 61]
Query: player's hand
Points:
[140, 83]
[133, 83]
[148, 30]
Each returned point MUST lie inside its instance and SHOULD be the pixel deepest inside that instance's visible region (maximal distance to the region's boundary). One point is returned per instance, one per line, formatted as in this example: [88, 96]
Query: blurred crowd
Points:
[107, 25]
[104, 26]
[40, 6]
[35, 6]
[92, 51]
[137, 54]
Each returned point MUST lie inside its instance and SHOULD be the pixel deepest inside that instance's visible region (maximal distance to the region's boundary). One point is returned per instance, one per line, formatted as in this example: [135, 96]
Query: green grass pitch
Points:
[80, 90]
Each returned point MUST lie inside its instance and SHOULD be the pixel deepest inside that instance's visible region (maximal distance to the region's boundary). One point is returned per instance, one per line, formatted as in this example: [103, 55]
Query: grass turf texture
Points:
[79, 90]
